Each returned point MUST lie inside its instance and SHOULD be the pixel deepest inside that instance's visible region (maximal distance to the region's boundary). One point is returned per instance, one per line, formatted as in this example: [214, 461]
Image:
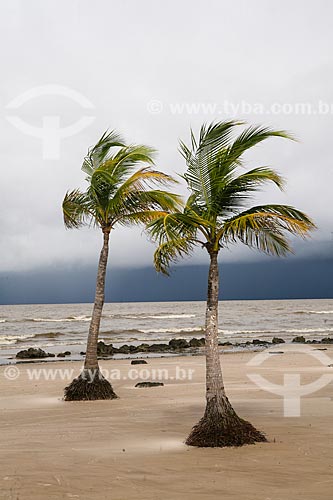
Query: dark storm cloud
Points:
[271, 279]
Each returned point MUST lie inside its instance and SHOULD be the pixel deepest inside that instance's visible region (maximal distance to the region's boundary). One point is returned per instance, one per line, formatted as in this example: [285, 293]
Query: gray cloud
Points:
[121, 56]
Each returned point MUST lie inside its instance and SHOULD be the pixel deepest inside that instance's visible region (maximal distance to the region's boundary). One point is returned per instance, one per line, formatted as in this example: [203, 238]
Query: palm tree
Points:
[116, 196]
[215, 216]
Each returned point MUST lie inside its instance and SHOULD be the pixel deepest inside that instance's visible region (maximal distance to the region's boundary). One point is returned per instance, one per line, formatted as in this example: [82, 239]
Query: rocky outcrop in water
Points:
[63, 354]
[33, 353]
[175, 346]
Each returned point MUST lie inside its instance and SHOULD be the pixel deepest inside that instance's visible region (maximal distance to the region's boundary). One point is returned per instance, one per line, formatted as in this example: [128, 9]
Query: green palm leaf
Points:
[76, 209]
[263, 227]
[117, 192]
[214, 215]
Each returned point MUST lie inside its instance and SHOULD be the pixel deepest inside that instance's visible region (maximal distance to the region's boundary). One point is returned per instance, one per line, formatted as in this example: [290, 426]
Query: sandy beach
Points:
[132, 448]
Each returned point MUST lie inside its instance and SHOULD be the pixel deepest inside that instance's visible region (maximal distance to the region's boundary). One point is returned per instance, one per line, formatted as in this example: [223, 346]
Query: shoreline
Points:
[175, 348]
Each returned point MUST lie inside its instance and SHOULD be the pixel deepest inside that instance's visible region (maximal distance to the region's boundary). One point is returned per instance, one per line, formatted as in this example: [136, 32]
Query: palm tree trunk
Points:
[220, 425]
[215, 392]
[91, 362]
[91, 384]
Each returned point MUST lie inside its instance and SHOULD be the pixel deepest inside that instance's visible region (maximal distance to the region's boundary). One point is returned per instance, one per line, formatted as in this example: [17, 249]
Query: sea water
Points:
[60, 327]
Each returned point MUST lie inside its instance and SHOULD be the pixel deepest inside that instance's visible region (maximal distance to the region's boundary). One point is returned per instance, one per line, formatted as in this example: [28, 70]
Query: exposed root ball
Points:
[89, 385]
[219, 429]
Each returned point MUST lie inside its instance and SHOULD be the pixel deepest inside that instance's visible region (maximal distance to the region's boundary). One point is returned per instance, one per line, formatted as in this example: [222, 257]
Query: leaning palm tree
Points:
[215, 216]
[117, 195]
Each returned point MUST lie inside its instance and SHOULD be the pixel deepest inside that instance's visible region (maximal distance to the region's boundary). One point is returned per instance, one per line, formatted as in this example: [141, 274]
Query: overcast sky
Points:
[152, 69]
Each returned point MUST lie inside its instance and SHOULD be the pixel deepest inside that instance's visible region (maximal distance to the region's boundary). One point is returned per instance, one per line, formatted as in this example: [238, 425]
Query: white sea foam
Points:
[12, 339]
[171, 316]
[7, 342]
[330, 311]
[194, 329]
[149, 316]
[321, 312]
[61, 320]
[308, 330]
[172, 330]
[273, 332]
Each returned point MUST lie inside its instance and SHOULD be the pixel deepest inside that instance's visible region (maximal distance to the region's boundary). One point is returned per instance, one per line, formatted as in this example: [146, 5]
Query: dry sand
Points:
[132, 448]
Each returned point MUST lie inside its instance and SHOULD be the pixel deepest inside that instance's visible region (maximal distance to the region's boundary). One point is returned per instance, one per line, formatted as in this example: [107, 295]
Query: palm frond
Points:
[176, 234]
[76, 209]
[174, 225]
[122, 208]
[169, 252]
[142, 180]
[263, 227]
[230, 192]
[99, 153]
[250, 137]
[122, 164]
[201, 155]
[141, 217]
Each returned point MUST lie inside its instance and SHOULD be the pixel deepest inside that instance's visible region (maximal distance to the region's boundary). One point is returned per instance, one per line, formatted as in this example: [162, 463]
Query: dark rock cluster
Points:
[63, 354]
[173, 346]
[301, 340]
[33, 353]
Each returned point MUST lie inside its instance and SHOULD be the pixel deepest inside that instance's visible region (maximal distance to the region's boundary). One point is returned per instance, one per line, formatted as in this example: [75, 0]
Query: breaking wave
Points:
[14, 339]
[149, 316]
[60, 320]
[314, 312]
[276, 331]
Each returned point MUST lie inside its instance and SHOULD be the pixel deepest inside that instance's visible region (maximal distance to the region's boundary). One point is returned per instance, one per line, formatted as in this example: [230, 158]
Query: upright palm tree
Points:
[116, 195]
[213, 217]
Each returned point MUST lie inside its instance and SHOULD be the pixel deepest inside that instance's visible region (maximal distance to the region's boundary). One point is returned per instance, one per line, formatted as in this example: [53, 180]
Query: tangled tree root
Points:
[89, 385]
[218, 429]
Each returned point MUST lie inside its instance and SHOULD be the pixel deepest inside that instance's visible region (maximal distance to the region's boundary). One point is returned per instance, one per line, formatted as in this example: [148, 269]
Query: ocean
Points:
[59, 327]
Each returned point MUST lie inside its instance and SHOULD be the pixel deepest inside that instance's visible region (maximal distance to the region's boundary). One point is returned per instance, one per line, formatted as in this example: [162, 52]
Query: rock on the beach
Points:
[143, 348]
[63, 354]
[159, 348]
[299, 339]
[259, 342]
[178, 344]
[149, 384]
[277, 340]
[138, 362]
[124, 349]
[196, 342]
[328, 340]
[33, 353]
[104, 349]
